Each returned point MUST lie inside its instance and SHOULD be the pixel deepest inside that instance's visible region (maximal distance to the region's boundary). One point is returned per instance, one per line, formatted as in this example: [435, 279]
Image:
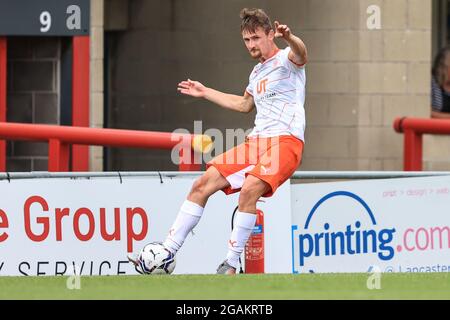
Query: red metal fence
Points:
[60, 138]
[413, 130]
[3, 69]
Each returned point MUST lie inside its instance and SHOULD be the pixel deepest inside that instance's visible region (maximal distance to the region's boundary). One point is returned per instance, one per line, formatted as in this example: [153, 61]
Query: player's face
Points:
[258, 43]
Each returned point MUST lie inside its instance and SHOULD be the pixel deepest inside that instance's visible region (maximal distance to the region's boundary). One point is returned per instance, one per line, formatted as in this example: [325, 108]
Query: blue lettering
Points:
[372, 233]
[317, 238]
[302, 251]
[347, 242]
[326, 226]
[358, 237]
[349, 233]
[385, 240]
[334, 236]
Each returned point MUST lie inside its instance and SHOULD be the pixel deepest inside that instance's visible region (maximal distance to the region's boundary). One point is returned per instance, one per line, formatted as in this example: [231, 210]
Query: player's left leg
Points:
[244, 221]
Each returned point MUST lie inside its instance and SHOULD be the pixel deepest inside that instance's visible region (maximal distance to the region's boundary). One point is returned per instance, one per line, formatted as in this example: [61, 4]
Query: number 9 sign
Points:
[45, 17]
[46, 21]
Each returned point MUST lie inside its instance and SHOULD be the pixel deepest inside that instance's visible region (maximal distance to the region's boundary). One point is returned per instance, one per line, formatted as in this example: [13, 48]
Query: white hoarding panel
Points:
[398, 225]
[49, 226]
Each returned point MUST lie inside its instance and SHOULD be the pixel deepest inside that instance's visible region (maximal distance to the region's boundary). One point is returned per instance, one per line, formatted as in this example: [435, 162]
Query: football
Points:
[154, 258]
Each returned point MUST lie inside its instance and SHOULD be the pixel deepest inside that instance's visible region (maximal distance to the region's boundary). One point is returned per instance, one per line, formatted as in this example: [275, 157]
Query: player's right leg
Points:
[192, 208]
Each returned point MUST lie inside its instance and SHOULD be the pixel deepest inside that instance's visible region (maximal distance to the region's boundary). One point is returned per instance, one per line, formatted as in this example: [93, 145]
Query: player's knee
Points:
[248, 195]
[198, 186]
[201, 187]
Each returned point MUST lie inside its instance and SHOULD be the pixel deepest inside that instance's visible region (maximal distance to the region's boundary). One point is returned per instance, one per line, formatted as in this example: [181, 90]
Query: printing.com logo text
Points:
[355, 239]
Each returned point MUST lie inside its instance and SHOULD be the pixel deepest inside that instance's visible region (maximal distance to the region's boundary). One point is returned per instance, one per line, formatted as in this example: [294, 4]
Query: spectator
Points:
[440, 85]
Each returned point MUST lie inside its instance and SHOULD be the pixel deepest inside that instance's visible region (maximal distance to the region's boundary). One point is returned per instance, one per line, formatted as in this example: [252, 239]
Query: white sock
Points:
[187, 218]
[243, 227]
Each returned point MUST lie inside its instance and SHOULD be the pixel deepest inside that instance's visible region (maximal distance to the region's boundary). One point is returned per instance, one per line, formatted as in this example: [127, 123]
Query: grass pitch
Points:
[240, 287]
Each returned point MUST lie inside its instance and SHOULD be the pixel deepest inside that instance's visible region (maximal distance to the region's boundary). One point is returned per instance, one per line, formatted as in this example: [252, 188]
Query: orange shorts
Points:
[272, 160]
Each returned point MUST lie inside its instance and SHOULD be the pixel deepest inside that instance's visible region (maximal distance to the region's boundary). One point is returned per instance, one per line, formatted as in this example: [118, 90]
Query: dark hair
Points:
[254, 18]
[439, 70]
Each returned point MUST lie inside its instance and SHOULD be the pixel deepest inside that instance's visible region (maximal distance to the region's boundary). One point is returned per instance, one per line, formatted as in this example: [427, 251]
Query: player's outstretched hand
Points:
[192, 88]
[282, 31]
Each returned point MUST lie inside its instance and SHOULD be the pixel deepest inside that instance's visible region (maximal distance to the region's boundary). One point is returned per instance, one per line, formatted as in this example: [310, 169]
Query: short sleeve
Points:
[288, 63]
[249, 88]
[437, 99]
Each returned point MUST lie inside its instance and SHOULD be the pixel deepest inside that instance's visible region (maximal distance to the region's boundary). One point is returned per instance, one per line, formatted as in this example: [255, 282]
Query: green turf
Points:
[267, 286]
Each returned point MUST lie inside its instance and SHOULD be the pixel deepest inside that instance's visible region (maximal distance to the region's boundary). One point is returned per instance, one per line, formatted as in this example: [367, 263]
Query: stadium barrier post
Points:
[188, 163]
[3, 81]
[412, 151]
[80, 98]
[58, 156]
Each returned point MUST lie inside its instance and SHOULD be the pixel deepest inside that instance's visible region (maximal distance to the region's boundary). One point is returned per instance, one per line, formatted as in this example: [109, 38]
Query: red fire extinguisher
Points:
[254, 249]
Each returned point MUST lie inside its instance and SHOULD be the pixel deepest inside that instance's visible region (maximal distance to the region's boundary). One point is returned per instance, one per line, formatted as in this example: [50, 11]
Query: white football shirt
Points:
[278, 89]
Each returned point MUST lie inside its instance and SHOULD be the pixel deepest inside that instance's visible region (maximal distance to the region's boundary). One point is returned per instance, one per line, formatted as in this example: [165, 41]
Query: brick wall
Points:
[32, 96]
[395, 79]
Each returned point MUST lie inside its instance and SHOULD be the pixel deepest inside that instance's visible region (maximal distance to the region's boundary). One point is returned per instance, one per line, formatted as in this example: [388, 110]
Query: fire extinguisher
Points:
[254, 249]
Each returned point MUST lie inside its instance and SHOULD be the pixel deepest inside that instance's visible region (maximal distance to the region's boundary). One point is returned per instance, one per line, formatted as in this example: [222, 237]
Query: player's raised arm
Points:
[298, 53]
[229, 101]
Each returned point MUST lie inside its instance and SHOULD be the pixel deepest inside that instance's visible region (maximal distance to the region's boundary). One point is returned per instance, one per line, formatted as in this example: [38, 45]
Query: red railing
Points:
[80, 97]
[413, 129]
[3, 69]
[61, 137]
